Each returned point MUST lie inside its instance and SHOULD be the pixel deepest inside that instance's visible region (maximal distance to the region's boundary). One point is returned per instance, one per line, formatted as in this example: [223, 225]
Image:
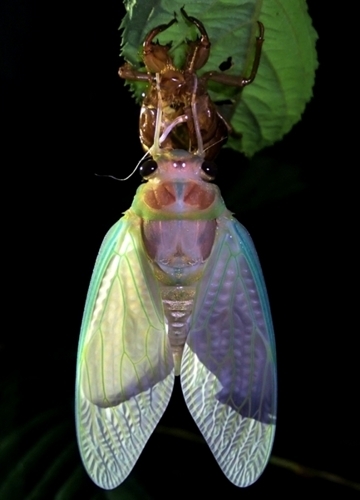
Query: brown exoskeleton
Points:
[180, 90]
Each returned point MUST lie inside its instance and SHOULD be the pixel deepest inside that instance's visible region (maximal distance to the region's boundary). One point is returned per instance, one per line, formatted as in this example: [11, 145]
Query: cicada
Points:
[176, 90]
[177, 289]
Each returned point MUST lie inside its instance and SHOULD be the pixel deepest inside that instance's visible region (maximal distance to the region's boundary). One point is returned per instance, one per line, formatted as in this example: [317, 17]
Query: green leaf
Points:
[266, 109]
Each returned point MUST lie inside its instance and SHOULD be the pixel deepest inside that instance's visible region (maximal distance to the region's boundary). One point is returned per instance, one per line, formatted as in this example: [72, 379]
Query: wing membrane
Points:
[228, 371]
[125, 368]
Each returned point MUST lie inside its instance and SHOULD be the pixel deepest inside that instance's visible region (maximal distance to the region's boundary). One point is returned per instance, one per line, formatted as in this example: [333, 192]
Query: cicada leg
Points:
[128, 72]
[200, 49]
[155, 56]
[240, 81]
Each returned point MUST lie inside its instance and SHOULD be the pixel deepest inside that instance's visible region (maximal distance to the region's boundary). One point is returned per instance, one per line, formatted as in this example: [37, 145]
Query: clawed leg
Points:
[155, 31]
[200, 49]
[240, 81]
[156, 56]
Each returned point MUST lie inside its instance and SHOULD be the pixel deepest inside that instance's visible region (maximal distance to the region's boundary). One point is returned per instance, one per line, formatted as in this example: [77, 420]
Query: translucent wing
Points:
[228, 371]
[125, 370]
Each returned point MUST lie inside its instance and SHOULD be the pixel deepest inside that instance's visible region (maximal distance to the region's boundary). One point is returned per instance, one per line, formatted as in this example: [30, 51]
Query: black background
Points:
[66, 116]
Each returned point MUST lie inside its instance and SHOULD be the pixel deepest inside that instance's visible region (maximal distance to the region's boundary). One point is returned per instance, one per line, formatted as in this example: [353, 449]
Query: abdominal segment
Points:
[179, 251]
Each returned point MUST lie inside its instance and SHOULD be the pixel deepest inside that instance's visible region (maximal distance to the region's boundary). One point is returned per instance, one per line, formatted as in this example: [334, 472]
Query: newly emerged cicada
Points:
[177, 289]
[175, 90]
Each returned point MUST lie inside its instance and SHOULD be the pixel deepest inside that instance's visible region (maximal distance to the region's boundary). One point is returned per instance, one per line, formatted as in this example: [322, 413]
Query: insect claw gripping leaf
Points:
[177, 288]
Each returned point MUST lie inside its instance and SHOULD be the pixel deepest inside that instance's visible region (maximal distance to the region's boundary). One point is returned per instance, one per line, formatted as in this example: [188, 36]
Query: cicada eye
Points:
[210, 169]
[147, 168]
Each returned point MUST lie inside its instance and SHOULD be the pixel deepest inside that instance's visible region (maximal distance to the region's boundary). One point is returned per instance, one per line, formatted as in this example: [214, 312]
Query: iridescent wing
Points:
[228, 371]
[125, 369]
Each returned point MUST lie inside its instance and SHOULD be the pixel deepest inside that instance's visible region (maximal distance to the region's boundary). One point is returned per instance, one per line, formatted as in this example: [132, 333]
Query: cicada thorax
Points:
[178, 211]
[178, 208]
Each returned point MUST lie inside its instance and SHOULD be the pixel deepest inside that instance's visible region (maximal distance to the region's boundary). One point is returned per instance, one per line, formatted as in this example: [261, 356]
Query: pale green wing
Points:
[125, 369]
[228, 371]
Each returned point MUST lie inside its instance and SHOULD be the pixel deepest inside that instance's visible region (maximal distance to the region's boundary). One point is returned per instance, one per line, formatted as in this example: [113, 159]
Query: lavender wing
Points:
[228, 371]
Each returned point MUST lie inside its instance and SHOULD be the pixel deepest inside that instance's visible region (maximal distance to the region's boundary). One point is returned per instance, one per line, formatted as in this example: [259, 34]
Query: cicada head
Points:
[178, 187]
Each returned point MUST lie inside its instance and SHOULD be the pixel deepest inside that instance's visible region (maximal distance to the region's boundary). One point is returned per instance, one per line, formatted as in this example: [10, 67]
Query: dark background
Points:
[66, 116]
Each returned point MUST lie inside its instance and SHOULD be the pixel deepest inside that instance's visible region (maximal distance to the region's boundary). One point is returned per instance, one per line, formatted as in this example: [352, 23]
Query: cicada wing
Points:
[228, 371]
[125, 369]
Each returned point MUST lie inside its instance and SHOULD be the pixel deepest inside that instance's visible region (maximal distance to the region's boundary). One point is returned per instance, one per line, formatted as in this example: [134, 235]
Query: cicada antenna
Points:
[130, 175]
[160, 136]
[200, 150]
[155, 148]
[212, 145]
[173, 124]
[137, 166]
